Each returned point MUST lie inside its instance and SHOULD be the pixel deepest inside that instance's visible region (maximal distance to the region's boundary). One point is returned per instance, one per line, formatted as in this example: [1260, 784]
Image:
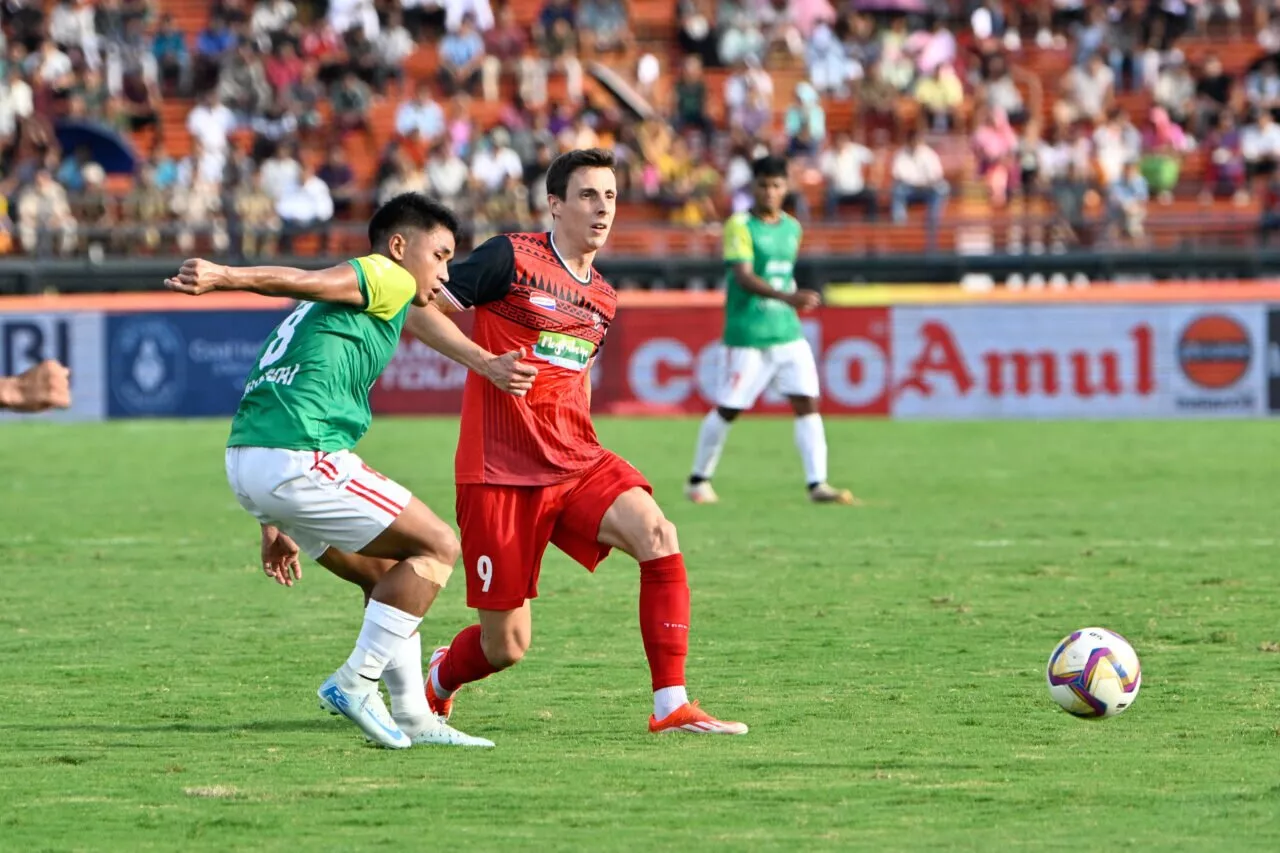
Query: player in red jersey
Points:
[530, 471]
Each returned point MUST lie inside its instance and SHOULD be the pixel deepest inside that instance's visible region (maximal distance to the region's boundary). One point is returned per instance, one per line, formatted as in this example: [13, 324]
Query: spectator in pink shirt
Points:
[994, 144]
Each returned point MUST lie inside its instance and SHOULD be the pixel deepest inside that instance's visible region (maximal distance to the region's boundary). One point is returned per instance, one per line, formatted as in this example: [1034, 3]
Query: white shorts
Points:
[319, 499]
[747, 371]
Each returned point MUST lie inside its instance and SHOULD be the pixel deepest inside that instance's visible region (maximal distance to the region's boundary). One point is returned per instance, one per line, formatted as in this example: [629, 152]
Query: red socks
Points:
[664, 627]
[465, 661]
[664, 619]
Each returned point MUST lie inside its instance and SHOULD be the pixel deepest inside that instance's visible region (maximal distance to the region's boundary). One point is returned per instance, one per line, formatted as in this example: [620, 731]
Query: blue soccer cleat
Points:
[367, 711]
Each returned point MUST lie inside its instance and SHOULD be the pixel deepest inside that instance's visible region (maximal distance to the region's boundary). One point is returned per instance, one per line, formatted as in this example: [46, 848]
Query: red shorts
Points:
[506, 529]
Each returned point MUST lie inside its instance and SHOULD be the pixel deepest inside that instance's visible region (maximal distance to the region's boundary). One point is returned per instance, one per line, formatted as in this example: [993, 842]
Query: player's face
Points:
[586, 214]
[769, 193]
[426, 257]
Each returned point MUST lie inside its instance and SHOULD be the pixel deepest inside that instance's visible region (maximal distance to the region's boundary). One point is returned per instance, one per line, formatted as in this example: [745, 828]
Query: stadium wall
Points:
[1146, 351]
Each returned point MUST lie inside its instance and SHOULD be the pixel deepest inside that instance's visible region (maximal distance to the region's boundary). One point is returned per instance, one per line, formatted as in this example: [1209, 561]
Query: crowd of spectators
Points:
[298, 81]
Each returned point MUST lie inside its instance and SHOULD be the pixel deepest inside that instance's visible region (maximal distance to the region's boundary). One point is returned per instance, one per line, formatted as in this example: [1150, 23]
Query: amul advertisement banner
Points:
[1079, 361]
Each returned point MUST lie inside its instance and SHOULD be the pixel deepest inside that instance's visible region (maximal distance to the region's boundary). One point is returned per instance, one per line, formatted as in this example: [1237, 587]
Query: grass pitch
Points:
[159, 691]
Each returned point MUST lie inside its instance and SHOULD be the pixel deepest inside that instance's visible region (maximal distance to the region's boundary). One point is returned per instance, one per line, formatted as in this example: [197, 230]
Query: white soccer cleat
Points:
[702, 493]
[368, 712]
[433, 730]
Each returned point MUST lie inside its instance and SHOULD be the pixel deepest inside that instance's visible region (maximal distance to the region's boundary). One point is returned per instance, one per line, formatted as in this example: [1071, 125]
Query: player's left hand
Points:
[197, 276]
[280, 557]
[805, 300]
[509, 373]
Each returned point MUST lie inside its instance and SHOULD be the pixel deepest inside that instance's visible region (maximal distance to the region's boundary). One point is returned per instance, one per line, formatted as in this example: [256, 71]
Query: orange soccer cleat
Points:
[692, 719]
[440, 707]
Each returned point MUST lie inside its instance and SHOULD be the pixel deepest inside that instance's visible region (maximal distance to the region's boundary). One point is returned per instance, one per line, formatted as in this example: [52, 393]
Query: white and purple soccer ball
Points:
[1094, 673]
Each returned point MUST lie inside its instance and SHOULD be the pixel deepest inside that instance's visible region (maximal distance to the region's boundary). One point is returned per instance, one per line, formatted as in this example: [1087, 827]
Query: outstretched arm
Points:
[437, 331]
[339, 284]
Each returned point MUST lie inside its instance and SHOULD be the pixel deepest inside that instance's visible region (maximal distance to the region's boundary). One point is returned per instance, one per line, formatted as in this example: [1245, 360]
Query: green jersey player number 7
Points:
[291, 464]
[764, 344]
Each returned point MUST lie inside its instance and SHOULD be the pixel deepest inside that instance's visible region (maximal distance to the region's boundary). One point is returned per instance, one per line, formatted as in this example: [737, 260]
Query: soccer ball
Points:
[1094, 673]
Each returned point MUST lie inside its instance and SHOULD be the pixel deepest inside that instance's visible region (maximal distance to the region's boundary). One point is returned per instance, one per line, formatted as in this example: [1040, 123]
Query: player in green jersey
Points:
[764, 344]
[290, 459]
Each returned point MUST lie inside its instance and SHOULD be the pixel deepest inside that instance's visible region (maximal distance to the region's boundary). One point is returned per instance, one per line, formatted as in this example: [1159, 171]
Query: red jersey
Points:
[525, 296]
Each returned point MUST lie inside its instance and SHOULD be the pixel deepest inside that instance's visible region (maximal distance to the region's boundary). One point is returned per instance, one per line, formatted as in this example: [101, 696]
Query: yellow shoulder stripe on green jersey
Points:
[737, 240]
[387, 286]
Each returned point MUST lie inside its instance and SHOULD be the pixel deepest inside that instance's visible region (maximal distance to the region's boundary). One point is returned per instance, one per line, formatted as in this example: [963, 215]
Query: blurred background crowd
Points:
[261, 127]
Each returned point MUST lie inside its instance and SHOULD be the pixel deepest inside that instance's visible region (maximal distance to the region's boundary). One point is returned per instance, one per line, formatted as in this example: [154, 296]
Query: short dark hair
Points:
[563, 167]
[409, 211]
[769, 166]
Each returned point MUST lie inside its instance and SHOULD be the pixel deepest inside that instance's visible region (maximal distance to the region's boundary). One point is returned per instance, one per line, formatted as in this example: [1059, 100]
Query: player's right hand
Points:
[280, 556]
[509, 373]
[804, 300]
[197, 276]
[47, 385]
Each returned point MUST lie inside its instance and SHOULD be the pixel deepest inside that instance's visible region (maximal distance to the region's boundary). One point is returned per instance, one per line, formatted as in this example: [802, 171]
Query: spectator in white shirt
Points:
[422, 116]
[345, 14]
[53, 68]
[71, 25]
[1087, 91]
[305, 207]
[281, 172]
[918, 179]
[270, 18]
[210, 121]
[447, 174]
[495, 160]
[394, 46]
[844, 166]
[17, 101]
[1260, 144]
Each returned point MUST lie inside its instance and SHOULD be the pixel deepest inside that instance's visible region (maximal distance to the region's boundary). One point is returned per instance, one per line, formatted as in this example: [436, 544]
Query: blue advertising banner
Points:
[182, 363]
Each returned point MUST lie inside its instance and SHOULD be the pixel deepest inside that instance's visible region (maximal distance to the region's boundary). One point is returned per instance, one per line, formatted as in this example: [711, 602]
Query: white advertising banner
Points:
[1055, 361]
[76, 340]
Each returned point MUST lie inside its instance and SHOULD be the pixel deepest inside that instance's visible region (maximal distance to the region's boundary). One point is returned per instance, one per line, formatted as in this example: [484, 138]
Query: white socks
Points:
[384, 631]
[403, 677]
[811, 440]
[711, 438]
[667, 700]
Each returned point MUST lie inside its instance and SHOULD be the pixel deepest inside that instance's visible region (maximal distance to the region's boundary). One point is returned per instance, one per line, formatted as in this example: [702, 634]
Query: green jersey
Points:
[771, 249]
[310, 387]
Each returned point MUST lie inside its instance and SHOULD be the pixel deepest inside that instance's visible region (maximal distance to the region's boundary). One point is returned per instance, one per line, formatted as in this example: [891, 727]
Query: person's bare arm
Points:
[507, 371]
[338, 284]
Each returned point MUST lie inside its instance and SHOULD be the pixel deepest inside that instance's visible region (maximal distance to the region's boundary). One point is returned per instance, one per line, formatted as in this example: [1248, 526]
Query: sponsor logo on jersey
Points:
[542, 300]
[563, 350]
[149, 354]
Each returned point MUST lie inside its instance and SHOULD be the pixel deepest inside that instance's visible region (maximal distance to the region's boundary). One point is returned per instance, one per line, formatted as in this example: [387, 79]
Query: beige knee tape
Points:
[431, 570]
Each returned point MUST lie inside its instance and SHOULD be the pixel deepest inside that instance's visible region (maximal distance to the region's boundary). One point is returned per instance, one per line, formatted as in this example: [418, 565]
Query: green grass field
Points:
[159, 691]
